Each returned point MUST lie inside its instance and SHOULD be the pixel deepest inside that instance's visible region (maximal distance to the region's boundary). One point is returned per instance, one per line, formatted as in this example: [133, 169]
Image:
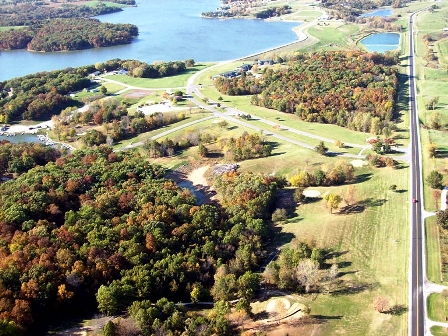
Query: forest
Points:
[105, 230]
[29, 14]
[77, 34]
[347, 88]
[41, 95]
[44, 94]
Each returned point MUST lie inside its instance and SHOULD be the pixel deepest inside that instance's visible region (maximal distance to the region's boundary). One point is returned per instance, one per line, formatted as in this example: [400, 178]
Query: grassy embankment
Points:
[433, 82]
[437, 307]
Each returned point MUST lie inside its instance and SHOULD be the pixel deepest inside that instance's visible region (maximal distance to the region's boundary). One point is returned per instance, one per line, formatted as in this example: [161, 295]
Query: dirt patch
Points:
[138, 94]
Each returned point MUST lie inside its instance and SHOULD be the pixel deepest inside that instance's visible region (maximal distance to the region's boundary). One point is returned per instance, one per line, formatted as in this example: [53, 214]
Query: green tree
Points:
[435, 180]
[321, 148]
[113, 298]
[103, 90]
[442, 218]
[431, 149]
[248, 285]
[110, 329]
[332, 201]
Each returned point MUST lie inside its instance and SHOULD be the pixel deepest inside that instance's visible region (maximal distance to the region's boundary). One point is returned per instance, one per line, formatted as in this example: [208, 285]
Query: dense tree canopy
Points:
[76, 34]
[41, 95]
[105, 226]
[347, 88]
[28, 14]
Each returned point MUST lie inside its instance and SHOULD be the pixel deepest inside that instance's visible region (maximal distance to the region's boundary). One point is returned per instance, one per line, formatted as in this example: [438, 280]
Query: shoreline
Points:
[18, 128]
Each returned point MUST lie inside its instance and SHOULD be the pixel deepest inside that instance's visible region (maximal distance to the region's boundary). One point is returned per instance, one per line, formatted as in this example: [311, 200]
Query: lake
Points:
[381, 42]
[379, 12]
[169, 30]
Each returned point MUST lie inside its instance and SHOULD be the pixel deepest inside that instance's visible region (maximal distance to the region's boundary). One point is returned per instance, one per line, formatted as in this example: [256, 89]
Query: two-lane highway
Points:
[417, 270]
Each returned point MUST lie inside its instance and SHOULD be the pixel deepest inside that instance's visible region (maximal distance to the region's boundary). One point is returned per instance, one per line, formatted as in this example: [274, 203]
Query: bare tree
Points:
[381, 304]
[307, 273]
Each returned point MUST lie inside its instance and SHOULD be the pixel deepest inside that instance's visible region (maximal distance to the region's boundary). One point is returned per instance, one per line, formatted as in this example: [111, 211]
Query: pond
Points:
[381, 42]
[379, 12]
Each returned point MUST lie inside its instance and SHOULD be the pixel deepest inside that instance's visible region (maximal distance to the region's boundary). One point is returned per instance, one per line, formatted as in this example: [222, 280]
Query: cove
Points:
[381, 42]
[169, 30]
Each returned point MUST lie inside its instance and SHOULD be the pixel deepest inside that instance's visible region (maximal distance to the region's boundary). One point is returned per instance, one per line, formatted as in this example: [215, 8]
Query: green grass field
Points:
[439, 331]
[437, 307]
[11, 28]
[372, 248]
[433, 266]
[178, 81]
[335, 35]
[107, 3]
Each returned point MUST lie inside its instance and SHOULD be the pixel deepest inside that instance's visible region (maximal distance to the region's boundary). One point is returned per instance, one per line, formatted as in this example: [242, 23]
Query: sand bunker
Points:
[278, 306]
[358, 163]
[197, 176]
[311, 193]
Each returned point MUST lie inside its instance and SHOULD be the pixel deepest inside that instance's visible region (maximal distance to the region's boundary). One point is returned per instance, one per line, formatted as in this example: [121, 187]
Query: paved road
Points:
[417, 275]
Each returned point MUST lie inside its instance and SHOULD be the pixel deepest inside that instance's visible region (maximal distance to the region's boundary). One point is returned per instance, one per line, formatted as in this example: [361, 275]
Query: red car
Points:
[414, 200]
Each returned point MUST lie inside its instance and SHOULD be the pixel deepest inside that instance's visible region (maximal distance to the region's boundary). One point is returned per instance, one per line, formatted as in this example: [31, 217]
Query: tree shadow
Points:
[263, 315]
[351, 209]
[401, 191]
[335, 254]
[344, 264]
[363, 177]
[350, 288]
[341, 274]
[370, 202]
[326, 317]
[397, 310]
[442, 153]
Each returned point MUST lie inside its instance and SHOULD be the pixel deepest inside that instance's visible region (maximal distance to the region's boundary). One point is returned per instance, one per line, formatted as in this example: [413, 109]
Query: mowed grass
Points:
[442, 50]
[433, 262]
[371, 249]
[11, 28]
[177, 81]
[112, 88]
[439, 331]
[107, 3]
[334, 35]
[147, 135]
[437, 310]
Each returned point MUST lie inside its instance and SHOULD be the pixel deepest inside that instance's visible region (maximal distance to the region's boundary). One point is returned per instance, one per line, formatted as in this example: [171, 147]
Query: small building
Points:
[244, 67]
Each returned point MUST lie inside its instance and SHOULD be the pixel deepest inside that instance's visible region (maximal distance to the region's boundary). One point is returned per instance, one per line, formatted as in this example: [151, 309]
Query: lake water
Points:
[381, 42]
[20, 138]
[169, 30]
[379, 12]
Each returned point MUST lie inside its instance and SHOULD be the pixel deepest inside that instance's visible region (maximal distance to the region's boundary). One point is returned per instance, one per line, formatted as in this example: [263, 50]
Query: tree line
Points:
[79, 33]
[29, 14]
[347, 88]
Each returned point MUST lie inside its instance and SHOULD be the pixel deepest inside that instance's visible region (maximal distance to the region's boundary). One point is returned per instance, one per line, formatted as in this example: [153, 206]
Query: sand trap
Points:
[358, 163]
[311, 193]
[278, 306]
[197, 176]
[160, 108]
